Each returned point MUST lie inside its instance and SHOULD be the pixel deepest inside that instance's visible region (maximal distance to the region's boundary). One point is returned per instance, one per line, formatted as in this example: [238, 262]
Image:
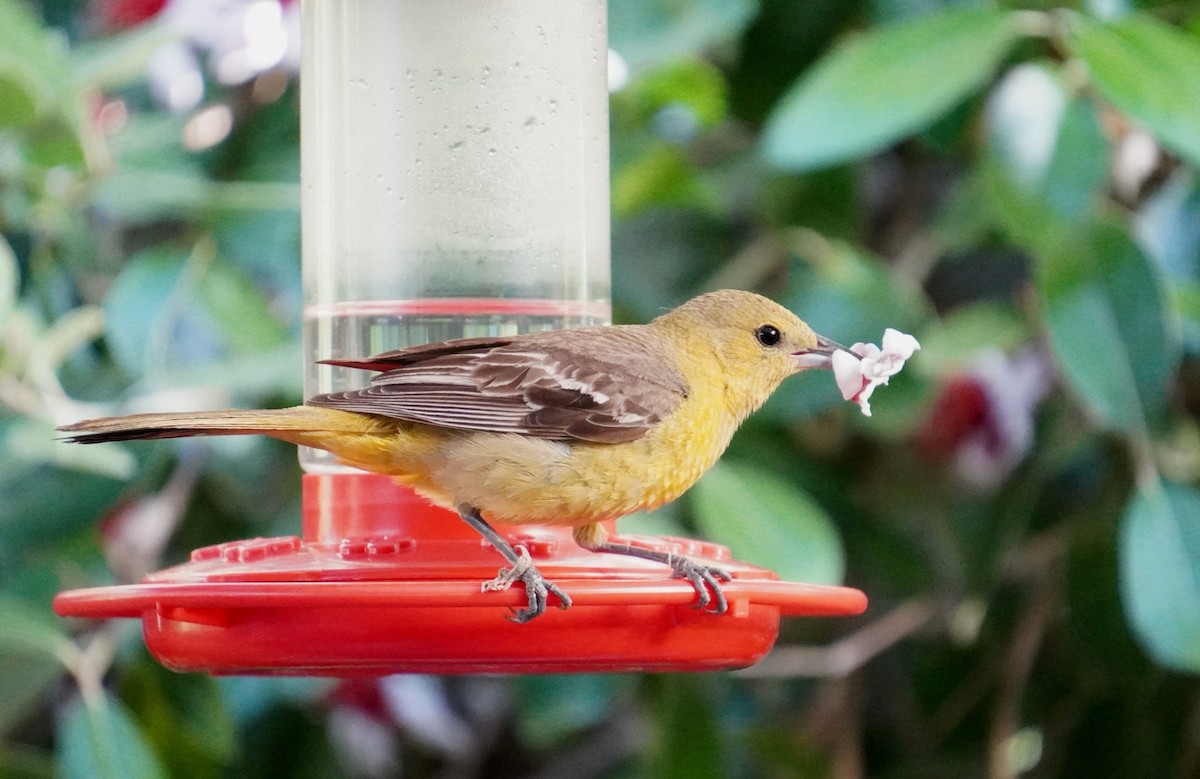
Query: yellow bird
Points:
[569, 427]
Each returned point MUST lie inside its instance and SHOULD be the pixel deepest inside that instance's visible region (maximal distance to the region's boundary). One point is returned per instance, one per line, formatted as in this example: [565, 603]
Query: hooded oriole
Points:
[570, 427]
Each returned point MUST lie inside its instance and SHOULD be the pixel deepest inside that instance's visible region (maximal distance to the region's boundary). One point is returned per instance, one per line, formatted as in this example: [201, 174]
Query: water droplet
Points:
[456, 146]
[492, 150]
[531, 122]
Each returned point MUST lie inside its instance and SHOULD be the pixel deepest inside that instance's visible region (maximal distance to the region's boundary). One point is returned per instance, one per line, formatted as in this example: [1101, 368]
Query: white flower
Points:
[239, 39]
[865, 366]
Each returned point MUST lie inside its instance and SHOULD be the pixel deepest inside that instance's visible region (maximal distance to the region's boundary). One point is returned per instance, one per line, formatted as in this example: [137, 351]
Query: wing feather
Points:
[607, 385]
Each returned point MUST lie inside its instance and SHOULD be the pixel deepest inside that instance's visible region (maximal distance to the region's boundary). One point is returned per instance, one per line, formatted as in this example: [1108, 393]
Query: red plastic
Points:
[382, 582]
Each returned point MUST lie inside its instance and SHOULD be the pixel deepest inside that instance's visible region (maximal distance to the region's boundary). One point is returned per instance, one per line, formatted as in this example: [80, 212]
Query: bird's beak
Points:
[819, 356]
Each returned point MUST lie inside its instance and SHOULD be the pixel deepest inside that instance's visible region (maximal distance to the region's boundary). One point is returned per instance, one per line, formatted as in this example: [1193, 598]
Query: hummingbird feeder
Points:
[455, 184]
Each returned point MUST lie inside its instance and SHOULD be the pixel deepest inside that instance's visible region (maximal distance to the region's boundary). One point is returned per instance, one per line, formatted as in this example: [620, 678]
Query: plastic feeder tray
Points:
[382, 582]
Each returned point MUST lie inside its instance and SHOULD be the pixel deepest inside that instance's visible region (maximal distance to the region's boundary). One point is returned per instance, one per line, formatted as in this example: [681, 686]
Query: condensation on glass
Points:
[455, 174]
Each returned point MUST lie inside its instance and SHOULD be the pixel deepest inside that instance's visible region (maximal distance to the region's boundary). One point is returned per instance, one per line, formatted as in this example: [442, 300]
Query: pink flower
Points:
[983, 420]
[865, 366]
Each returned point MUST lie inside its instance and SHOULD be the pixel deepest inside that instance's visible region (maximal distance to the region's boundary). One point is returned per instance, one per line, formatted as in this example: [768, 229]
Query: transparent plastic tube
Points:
[455, 174]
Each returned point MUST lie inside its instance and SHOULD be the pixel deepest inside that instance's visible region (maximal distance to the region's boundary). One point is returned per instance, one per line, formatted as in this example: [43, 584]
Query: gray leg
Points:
[537, 588]
[702, 577]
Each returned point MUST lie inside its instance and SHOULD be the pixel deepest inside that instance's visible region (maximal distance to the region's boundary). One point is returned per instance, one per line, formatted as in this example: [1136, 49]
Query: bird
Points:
[567, 427]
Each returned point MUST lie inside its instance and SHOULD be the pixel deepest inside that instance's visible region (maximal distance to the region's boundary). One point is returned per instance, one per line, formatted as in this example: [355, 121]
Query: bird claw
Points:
[703, 578]
[537, 587]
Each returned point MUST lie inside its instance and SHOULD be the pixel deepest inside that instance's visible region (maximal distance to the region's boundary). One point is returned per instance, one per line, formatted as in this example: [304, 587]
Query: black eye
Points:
[768, 335]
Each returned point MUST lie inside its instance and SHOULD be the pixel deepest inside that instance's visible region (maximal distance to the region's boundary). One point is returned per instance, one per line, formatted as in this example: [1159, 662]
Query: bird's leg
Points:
[537, 588]
[702, 577]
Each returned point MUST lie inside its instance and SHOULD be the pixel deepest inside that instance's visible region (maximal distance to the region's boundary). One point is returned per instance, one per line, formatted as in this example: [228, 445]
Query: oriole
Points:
[570, 427]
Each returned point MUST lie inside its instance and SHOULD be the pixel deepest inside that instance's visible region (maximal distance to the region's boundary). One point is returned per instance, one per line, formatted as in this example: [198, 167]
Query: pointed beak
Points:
[819, 356]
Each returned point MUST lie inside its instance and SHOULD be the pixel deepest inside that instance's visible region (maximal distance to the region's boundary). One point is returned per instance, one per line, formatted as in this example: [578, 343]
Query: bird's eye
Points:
[768, 335]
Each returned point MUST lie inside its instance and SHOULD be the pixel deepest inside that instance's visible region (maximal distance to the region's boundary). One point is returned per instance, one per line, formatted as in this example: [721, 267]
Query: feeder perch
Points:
[455, 184]
[393, 585]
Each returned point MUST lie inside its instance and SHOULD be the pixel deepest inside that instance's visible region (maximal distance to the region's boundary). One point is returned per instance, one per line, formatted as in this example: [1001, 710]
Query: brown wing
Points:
[607, 385]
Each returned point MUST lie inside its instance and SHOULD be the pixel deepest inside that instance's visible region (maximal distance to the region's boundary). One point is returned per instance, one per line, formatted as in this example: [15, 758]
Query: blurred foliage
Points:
[1015, 183]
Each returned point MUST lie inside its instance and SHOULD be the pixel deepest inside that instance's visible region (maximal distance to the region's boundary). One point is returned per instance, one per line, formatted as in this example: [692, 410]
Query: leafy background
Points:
[1015, 183]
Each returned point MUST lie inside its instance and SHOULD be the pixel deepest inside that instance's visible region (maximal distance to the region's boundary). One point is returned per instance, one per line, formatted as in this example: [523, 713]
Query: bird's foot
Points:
[703, 578]
[537, 587]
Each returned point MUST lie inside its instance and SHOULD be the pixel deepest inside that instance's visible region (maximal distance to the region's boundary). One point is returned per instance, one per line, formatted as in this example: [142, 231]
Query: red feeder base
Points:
[385, 583]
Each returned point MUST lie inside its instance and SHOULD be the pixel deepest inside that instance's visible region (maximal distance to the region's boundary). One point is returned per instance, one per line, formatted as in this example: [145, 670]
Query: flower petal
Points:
[847, 371]
[858, 377]
[900, 344]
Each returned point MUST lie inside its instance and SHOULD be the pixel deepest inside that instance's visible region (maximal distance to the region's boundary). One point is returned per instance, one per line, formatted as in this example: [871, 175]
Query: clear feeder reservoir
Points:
[455, 175]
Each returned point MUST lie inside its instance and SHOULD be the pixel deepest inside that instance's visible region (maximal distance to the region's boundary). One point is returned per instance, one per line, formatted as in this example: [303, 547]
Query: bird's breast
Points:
[515, 479]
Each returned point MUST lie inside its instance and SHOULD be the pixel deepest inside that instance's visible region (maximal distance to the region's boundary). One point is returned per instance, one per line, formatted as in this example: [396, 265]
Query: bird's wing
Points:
[607, 385]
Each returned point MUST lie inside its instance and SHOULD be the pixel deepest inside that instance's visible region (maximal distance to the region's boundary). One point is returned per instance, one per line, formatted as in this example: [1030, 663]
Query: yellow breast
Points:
[516, 480]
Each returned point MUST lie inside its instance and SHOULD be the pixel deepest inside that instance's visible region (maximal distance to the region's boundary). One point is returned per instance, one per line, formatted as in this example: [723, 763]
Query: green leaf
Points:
[884, 86]
[143, 195]
[32, 71]
[117, 60]
[169, 309]
[18, 761]
[251, 698]
[238, 310]
[1105, 313]
[693, 83]
[25, 630]
[1147, 69]
[251, 375]
[659, 255]
[55, 142]
[955, 341]
[1074, 180]
[555, 708]
[1050, 147]
[891, 11]
[138, 305]
[848, 295]
[99, 740]
[661, 177]
[647, 33]
[1160, 572]
[184, 717]
[10, 279]
[24, 680]
[768, 521]
[688, 743]
[19, 100]
[43, 504]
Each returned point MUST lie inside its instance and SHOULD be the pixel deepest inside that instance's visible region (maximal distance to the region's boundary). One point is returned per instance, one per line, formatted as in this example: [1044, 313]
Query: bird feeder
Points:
[455, 184]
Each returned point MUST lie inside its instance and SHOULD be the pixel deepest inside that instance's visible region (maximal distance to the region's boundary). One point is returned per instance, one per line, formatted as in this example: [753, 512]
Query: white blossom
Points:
[864, 367]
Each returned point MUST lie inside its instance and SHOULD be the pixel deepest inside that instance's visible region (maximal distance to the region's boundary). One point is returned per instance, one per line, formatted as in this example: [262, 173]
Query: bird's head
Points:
[757, 342]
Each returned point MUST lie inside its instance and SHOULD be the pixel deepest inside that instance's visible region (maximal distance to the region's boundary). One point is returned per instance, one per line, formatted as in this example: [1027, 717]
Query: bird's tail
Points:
[291, 424]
